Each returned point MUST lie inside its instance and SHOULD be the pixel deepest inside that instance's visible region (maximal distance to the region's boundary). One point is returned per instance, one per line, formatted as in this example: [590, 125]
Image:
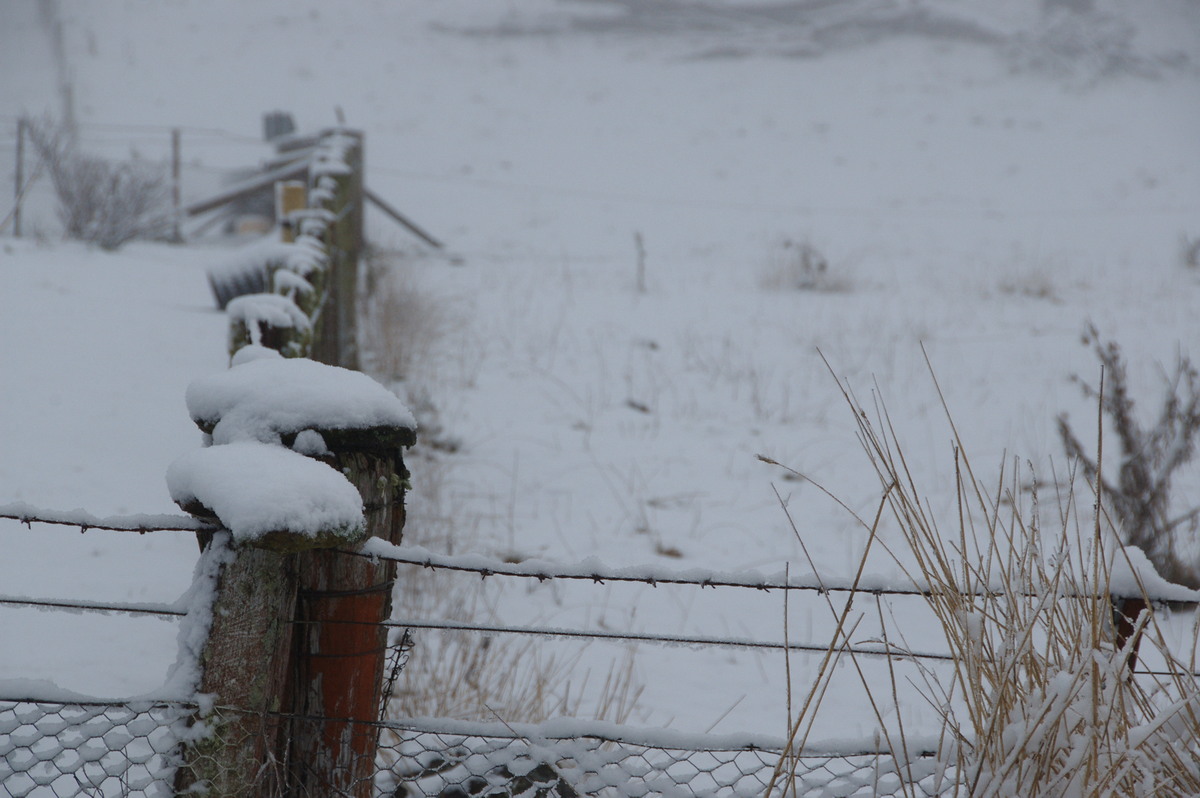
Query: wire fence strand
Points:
[599, 573]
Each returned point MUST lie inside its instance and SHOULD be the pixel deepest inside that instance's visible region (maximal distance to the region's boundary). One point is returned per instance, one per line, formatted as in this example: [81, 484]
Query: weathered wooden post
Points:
[245, 665]
[295, 678]
[342, 644]
[176, 187]
[290, 196]
[268, 320]
[336, 184]
[19, 188]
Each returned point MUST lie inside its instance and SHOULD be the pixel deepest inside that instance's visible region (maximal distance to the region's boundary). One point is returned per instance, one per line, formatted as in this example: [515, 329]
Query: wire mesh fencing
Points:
[61, 750]
[90, 749]
[445, 759]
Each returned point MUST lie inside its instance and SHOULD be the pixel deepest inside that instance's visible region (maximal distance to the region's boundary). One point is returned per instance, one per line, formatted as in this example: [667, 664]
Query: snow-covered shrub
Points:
[1076, 42]
[799, 266]
[1141, 497]
[1189, 251]
[101, 201]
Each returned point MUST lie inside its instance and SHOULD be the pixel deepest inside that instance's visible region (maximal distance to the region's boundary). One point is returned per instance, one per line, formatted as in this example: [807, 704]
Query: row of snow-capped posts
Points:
[306, 458]
[303, 289]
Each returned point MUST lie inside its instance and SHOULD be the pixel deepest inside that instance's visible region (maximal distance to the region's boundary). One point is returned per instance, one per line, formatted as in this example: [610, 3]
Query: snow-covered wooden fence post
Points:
[291, 196]
[274, 502]
[305, 457]
[336, 184]
[268, 320]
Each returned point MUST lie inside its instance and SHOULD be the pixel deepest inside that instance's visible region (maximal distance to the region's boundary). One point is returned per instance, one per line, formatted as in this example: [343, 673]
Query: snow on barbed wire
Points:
[266, 399]
[139, 522]
[1126, 574]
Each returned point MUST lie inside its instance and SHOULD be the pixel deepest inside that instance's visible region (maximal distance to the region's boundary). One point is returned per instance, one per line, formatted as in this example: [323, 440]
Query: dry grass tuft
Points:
[478, 676]
[460, 674]
[403, 323]
[1041, 700]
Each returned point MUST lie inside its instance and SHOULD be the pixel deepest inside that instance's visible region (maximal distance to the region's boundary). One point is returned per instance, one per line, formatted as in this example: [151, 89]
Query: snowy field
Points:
[981, 183]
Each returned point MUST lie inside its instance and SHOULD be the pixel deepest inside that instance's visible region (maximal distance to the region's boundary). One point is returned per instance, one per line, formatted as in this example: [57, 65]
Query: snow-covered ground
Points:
[979, 182]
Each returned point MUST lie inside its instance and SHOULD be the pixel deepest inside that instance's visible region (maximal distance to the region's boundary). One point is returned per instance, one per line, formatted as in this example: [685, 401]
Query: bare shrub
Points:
[1031, 284]
[1084, 45]
[101, 201]
[1189, 252]
[1140, 498]
[799, 266]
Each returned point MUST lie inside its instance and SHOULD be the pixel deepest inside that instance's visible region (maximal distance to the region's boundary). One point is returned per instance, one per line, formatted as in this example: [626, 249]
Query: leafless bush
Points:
[799, 265]
[1141, 496]
[1189, 251]
[100, 201]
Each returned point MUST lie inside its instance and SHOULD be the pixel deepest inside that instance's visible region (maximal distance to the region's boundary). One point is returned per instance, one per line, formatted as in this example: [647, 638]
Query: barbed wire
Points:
[594, 573]
[644, 637]
[598, 574]
[459, 626]
[85, 521]
[93, 606]
[602, 575]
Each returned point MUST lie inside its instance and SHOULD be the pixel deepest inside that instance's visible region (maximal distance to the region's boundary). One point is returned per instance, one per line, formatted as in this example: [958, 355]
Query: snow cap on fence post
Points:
[269, 320]
[268, 497]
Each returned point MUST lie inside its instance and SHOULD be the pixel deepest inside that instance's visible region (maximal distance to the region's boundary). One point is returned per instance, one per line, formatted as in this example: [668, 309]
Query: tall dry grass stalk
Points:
[1040, 700]
[404, 323]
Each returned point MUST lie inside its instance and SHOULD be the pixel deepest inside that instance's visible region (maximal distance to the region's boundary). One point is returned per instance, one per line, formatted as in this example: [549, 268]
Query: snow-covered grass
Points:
[976, 199]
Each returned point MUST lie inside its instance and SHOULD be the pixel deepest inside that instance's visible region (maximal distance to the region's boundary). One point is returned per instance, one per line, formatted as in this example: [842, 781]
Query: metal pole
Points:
[18, 188]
